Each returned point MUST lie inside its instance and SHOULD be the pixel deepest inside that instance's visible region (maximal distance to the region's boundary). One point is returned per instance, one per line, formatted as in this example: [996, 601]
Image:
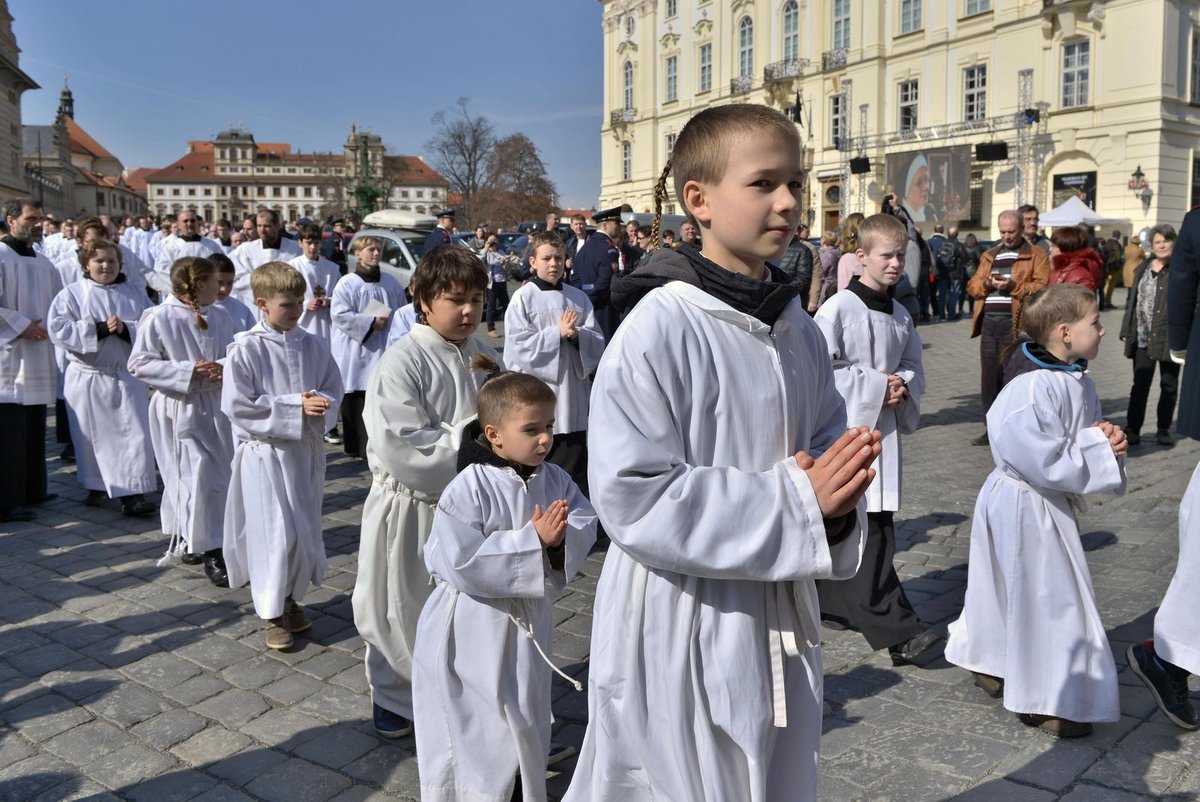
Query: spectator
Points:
[1114, 261]
[829, 255]
[1072, 261]
[849, 265]
[797, 263]
[971, 244]
[1144, 332]
[1134, 256]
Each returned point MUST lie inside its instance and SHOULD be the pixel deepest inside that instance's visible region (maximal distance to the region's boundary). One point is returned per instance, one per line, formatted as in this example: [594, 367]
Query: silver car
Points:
[401, 251]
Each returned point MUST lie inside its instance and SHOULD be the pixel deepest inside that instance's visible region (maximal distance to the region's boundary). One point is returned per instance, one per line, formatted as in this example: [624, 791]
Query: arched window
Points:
[628, 71]
[791, 31]
[745, 48]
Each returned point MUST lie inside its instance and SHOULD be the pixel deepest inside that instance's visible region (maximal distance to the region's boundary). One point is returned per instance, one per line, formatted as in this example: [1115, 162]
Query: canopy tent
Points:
[1075, 212]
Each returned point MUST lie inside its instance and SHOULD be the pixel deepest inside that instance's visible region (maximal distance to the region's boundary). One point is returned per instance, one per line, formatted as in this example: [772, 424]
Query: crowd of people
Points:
[729, 411]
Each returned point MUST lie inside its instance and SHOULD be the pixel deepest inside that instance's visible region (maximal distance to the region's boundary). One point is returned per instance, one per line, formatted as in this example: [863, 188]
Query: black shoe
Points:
[68, 453]
[45, 498]
[1058, 727]
[189, 558]
[981, 440]
[95, 498]
[14, 514]
[136, 506]
[559, 753]
[833, 624]
[214, 568]
[904, 653]
[1169, 688]
[388, 724]
[1165, 439]
[1133, 438]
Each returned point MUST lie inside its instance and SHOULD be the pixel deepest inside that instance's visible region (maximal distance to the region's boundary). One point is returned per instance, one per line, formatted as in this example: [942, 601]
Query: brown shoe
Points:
[992, 686]
[296, 620]
[1058, 727]
[278, 636]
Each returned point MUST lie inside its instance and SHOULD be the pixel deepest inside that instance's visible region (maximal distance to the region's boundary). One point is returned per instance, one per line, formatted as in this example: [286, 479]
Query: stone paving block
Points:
[77, 788]
[993, 790]
[860, 767]
[223, 792]
[333, 703]
[384, 766]
[82, 633]
[232, 708]
[36, 775]
[354, 678]
[126, 705]
[1085, 792]
[14, 748]
[1136, 772]
[291, 688]
[298, 781]
[176, 786]
[128, 766]
[284, 727]
[120, 650]
[211, 746]
[1050, 764]
[256, 672]
[215, 652]
[45, 716]
[83, 744]
[326, 664]
[169, 728]
[196, 690]
[37, 661]
[161, 671]
[337, 746]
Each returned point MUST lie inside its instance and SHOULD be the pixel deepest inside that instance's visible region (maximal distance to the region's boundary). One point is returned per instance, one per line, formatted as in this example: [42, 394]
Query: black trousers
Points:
[570, 454]
[62, 426]
[872, 601]
[23, 456]
[354, 431]
[995, 337]
[1168, 386]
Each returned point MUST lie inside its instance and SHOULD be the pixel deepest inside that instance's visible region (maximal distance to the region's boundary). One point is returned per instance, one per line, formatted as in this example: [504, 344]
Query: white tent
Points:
[1075, 212]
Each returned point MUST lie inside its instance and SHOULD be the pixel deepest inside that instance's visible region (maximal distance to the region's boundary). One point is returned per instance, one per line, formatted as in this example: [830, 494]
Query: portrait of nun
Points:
[916, 190]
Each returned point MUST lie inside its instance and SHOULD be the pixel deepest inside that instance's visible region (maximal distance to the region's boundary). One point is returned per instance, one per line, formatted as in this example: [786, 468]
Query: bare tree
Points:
[461, 147]
[516, 187]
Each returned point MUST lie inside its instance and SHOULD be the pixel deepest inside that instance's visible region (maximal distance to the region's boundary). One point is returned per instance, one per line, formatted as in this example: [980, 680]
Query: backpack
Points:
[947, 259]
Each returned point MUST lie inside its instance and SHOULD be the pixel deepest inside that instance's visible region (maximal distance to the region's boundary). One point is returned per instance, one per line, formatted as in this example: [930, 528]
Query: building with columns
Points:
[13, 83]
[234, 175]
[1100, 98]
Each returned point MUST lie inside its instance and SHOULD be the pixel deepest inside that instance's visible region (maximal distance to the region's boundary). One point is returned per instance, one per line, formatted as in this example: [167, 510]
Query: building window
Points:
[1076, 59]
[292, 170]
[910, 16]
[208, 192]
[191, 192]
[628, 72]
[420, 194]
[291, 192]
[672, 8]
[671, 144]
[791, 31]
[626, 161]
[159, 192]
[841, 24]
[705, 67]
[836, 121]
[745, 48]
[629, 25]
[978, 6]
[672, 78]
[174, 192]
[276, 192]
[975, 93]
[908, 105]
[308, 192]
[404, 193]
[99, 198]
[1194, 90]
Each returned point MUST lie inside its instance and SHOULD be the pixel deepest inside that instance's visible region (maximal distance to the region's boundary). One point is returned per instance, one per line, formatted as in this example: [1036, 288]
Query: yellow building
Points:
[1083, 94]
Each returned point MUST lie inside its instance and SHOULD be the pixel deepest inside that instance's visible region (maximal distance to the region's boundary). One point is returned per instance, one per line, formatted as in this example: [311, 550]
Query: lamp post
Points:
[1141, 188]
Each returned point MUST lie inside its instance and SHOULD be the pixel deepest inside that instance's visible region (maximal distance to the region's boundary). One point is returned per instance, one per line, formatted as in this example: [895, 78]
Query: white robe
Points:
[273, 515]
[481, 689]
[533, 344]
[356, 345]
[108, 409]
[1030, 613]
[418, 400]
[866, 347]
[28, 373]
[1176, 627]
[324, 274]
[174, 248]
[402, 323]
[705, 678]
[193, 442]
[243, 317]
[250, 255]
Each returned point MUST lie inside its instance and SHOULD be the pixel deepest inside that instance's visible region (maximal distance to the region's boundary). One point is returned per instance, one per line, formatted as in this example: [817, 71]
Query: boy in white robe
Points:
[94, 322]
[876, 357]
[321, 276]
[361, 311]
[705, 670]
[417, 401]
[242, 316]
[280, 389]
[1030, 630]
[508, 522]
[550, 331]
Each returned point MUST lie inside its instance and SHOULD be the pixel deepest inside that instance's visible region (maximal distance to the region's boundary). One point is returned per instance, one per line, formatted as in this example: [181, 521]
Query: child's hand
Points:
[381, 322]
[314, 404]
[115, 324]
[566, 324]
[313, 305]
[34, 331]
[897, 392]
[1116, 437]
[841, 475]
[551, 525]
[207, 369]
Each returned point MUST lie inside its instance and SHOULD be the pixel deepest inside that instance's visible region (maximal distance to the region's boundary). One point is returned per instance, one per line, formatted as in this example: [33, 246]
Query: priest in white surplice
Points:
[185, 242]
[28, 374]
[271, 246]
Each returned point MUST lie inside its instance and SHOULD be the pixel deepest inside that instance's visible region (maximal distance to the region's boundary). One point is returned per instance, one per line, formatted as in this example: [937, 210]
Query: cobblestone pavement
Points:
[119, 679]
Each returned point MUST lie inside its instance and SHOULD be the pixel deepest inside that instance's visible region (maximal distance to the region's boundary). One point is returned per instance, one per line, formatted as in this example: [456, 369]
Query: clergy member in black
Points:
[441, 234]
[596, 263]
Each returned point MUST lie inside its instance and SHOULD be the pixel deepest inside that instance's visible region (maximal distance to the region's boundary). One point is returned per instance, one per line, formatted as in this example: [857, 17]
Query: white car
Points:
[403, 236]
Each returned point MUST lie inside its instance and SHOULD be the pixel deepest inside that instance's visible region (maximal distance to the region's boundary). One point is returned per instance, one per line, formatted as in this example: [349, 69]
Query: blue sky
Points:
[149, 75]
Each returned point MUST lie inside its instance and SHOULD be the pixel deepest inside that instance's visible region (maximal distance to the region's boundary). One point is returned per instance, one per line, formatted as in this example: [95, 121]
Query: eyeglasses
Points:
[492, 243]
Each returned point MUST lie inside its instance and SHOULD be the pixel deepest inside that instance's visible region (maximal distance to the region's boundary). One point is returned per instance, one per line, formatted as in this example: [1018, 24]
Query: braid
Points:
[200, 321]
[189, 286]
[660, 192]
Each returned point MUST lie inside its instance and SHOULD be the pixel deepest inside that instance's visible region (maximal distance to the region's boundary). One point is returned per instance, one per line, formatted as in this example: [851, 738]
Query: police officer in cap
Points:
[441, 235]
[596, 263]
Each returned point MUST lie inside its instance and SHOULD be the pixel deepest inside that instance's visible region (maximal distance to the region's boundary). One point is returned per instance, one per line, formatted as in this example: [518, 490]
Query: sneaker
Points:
[559, 753]
[904, 653]
[297, 621]
[389, 724]
[981, 440]
[278, 636]
[1169, 688]
[95, 498]
[1164, 438]
[333, 437]
[493, 333]
[1058, 727]
[1133, 438]
[992, 686]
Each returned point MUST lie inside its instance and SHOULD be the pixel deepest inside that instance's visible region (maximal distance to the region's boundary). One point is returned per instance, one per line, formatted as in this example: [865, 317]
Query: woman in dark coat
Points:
[1144, 332]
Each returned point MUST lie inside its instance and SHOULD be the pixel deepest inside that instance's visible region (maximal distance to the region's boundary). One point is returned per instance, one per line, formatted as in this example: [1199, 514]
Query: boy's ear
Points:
[261, 303]
[695, 200]
[492, 434]
[862, 255]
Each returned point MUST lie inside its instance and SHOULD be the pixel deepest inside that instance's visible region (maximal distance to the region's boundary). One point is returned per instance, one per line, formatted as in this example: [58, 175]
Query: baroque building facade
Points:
[13, 83]
[1096, 98]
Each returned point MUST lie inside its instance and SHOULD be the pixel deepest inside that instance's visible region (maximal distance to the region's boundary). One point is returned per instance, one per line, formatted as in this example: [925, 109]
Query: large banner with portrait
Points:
[933, 185]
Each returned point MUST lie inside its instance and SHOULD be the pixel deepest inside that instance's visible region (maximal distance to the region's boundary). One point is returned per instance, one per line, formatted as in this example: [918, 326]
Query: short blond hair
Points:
[829, 237]
[1054, 305]
[363, 242]
[880, 228]
[276, 278]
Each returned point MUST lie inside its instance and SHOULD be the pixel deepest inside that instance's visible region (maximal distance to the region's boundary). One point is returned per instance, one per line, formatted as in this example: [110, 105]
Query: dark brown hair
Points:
[442, 270]
[184, 275]
[1069, 238]
[505, 391]
[88, 249]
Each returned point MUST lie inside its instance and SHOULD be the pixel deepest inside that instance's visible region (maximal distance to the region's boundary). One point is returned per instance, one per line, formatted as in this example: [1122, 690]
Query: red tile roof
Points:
[136, 179]
[82, 142]
[412, 170]
[194, 166]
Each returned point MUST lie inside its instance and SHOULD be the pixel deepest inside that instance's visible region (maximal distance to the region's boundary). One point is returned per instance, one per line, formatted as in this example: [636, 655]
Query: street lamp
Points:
[1141, 187]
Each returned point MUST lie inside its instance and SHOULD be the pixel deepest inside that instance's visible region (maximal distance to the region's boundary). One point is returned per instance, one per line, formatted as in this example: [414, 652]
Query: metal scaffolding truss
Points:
[946, 131]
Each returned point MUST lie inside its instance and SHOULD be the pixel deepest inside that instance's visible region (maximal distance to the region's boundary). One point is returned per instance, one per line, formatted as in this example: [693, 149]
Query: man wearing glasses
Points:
[185, 242]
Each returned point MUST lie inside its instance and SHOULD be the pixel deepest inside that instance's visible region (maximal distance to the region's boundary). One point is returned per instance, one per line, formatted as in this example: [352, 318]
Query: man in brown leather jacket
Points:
[1007, 274]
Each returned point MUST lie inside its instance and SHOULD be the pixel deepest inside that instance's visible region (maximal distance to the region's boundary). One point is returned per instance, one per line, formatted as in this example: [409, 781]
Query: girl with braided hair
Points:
[179, 351]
